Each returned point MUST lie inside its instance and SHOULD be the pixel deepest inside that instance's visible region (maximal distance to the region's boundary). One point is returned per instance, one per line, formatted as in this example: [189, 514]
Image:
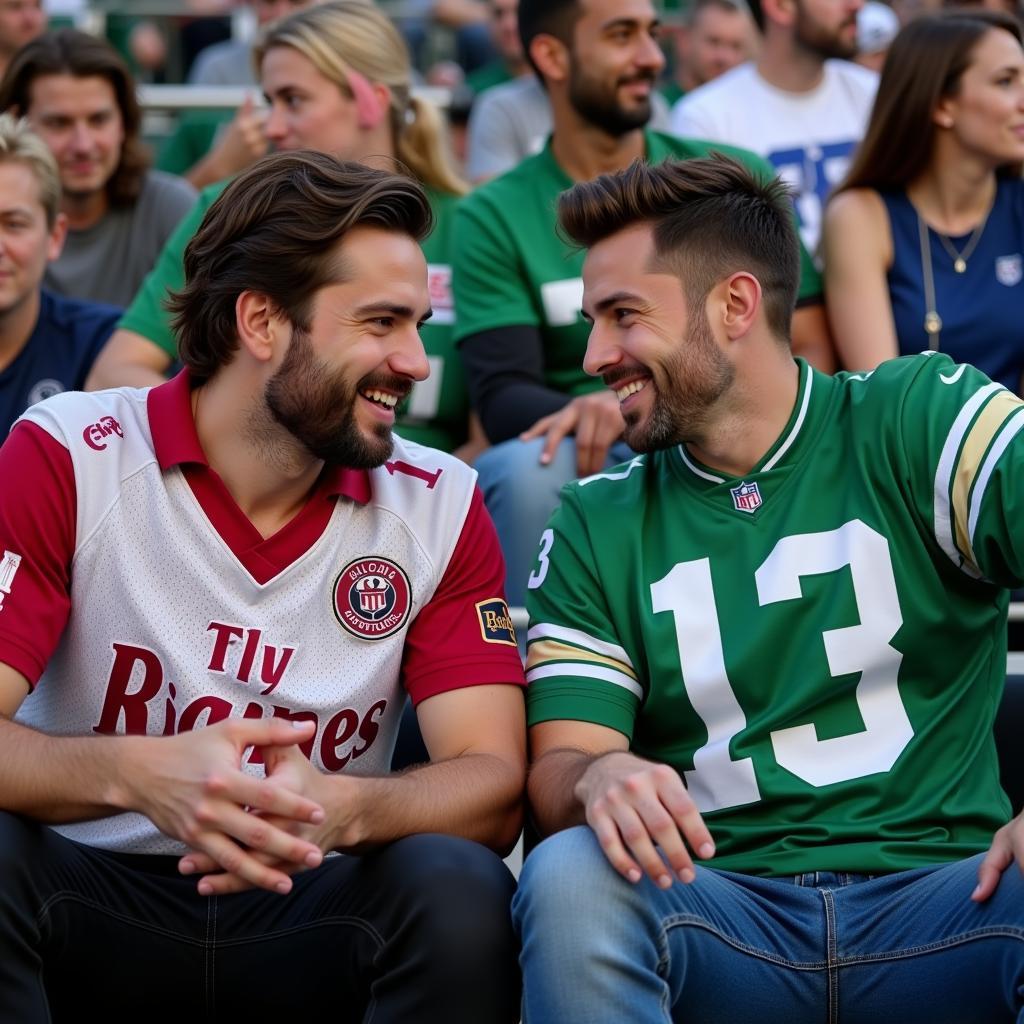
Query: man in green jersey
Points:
[773, 642]
[517, 285]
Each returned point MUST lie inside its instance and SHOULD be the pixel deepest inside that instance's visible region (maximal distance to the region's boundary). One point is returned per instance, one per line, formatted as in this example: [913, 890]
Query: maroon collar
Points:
[176, 442]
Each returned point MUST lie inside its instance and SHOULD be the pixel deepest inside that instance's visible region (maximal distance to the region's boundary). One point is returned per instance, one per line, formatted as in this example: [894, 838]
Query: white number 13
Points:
[718, 781]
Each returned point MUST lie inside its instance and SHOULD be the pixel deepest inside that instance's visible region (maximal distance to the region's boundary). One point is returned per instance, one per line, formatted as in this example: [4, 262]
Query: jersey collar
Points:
[810, 395]
[176, 442]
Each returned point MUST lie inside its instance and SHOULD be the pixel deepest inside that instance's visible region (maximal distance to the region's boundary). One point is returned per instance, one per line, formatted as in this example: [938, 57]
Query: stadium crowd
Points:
[529, 161]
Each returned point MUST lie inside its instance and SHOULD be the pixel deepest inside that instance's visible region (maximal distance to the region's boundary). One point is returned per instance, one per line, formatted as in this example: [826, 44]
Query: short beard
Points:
[693, 380]
[813, 39]
[602, 109]
[317, 407]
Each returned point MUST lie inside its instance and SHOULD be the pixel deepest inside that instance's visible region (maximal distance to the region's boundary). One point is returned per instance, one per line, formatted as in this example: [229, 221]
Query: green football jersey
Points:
[819, 647]
[511, 268]
[436, 413]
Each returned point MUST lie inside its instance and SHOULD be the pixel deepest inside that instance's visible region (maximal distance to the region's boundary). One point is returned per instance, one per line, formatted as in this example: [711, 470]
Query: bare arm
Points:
[190, 786]
[857, 245]
[128, 359]
[812, 339]
[640, 811]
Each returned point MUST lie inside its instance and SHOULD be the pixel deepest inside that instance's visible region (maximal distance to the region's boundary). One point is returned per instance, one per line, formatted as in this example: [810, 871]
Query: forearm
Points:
[475, 796]
[128, 360]
[551, 789]
[60, 779]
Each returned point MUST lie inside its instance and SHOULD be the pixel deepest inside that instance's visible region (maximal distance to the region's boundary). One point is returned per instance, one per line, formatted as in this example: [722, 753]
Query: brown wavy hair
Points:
[70, 52]
[925, 64]
[275, 230]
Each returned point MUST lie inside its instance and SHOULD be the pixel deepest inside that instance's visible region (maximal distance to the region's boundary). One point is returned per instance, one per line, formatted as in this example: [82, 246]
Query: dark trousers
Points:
[418, 931]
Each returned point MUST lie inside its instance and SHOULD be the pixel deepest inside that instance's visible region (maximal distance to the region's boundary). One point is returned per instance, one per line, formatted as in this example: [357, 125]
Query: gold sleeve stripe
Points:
[976, 444]
[543, 651]
[552, 631]
[944, 472]
[1001, 443]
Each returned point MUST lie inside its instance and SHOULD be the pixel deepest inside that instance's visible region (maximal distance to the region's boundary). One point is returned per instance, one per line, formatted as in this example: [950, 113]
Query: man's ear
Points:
[258, 323]
[551, 56]
[739, 301]
[58, 235]
[779, 12]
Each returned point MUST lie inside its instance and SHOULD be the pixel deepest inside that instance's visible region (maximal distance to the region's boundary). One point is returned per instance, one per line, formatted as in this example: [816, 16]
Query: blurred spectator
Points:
[517, 284]
[924, 241]
[715, 36]
[877, 25]
[800, 103]
[510, 62]
[47, 343]
[510, 122]
[21, 21]
[79, 96]
[338, 80]
[209, 145]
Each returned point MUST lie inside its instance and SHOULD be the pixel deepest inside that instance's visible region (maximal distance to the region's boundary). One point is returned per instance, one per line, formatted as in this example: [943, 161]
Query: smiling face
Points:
[659, 356]
[337, 386]
[615, 63]
[986, 115]
[307, 109]
[21, 21]
[80, 120]
[718, 39]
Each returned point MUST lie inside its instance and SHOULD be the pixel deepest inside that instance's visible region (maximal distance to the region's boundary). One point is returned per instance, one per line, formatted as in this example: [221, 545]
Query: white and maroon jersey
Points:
[136, 597]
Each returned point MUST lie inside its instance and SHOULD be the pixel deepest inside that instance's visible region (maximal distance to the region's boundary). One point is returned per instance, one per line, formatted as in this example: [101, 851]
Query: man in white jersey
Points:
[801, 104]
[214, 596]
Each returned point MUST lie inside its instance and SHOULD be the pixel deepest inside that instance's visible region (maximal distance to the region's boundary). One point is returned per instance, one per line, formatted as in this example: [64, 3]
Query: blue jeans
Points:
[520, 494]
[907, 947]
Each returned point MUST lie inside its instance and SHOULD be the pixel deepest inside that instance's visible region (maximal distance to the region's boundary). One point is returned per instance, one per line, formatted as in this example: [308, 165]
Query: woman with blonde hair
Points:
[924, 239]
[337, 79]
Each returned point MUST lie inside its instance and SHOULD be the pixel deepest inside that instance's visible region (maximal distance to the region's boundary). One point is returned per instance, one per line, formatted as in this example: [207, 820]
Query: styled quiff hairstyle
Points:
[275, 230]
[347, 36]
[70, 52]
[711, 217]
[20, 145]
[925, 64]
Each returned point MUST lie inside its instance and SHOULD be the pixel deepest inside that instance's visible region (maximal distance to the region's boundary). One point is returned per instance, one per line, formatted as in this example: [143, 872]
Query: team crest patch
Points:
[496, 622]
[372, 598]
[746, 497]
[1009, 269]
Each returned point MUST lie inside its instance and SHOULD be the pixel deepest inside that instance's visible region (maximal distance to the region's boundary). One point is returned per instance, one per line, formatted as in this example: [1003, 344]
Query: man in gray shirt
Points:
[79, 97]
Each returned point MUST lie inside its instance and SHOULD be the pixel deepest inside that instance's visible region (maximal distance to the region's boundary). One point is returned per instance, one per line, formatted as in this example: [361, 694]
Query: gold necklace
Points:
[960, 258]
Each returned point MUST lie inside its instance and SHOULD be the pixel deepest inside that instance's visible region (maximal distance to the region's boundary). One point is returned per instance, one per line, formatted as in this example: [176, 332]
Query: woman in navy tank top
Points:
[923, 241]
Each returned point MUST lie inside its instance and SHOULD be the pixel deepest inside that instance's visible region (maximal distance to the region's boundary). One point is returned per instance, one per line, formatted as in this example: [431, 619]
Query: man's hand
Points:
[594, 419]
[288, 769]
[1007, 847]
[192, 787]
[631, 805]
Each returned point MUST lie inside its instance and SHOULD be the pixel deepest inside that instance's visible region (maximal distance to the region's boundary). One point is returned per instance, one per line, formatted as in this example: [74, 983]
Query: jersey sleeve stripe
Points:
[943, 522]
[576, 637]
[569, 670]
[1002, 441]
[543, 651]
[972, 453]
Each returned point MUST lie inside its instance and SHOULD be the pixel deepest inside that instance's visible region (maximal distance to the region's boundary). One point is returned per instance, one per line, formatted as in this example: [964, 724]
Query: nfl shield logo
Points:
[1009, 269]
[746, 497]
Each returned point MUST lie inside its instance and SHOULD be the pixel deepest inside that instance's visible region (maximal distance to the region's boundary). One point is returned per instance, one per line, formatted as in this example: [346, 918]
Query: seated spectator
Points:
[79, 97]
[715, 37]
[518, 285]
[209, 145]
[47, 343]
[801, 104]
[337, 78]
[21, 21]
[512, 121]
[510, 62]
[924, 242]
